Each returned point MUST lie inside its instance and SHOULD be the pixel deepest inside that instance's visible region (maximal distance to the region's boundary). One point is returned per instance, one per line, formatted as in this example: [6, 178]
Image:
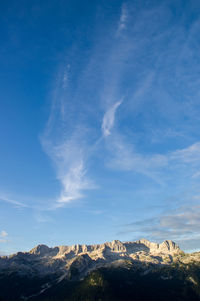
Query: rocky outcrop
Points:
[167, 246]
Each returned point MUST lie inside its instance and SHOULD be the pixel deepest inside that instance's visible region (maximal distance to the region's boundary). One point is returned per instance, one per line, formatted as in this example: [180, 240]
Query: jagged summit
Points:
[61, 259]
[116, 246]
[43, 250]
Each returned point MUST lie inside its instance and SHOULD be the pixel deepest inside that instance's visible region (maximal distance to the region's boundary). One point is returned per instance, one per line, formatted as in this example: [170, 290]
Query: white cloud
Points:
[73, 182]
[69, 161]
[109, 118]
[123, 19]
[3, 233]
[64, 141]
[182, 226]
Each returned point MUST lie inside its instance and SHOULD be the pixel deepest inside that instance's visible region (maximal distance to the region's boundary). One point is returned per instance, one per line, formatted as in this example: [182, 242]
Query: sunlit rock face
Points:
[167, 246]
[61, 259]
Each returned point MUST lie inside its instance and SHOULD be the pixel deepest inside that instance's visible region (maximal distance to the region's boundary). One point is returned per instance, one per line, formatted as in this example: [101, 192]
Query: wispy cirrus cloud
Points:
[126, 157]
[7, 199]
[71, 172]
[69, 162]
[123, 19]
[109, 119]
[189, 155]
[70, 121]
[138, 67]
[64, 141]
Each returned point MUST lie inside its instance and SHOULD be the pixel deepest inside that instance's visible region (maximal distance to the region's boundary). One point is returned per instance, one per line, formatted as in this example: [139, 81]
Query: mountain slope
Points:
[109, 271]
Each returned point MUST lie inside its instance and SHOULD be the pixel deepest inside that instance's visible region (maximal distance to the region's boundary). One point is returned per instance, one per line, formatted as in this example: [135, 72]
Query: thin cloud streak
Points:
[123, 19]
[109, 118]
[188, 155]
[6, 199]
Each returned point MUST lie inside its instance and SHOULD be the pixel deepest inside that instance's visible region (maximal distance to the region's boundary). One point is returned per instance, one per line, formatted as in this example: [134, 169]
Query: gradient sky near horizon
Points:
[99, 122]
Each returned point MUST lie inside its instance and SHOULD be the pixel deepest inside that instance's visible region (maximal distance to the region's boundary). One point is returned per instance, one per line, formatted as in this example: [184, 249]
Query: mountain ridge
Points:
[115, 246]
[44, 260]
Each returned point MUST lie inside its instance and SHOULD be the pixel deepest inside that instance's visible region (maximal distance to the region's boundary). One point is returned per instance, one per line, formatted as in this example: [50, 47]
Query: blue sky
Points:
[99, 118]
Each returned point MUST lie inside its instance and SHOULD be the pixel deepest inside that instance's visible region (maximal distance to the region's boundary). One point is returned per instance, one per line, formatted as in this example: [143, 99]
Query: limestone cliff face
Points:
[113, 249]
[84, 258]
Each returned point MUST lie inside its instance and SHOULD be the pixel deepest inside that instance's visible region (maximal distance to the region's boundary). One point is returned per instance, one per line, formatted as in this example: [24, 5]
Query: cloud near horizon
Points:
[181, 225]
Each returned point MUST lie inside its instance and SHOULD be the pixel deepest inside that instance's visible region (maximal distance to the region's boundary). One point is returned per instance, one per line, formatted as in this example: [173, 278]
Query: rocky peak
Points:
[169, 245]
[41, 250]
